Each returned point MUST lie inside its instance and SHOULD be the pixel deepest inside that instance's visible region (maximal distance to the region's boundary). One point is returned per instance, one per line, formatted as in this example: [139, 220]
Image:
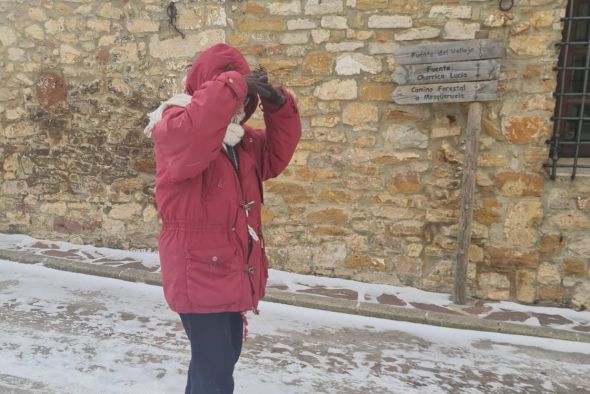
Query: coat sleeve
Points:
[276, 144]
[190, 138]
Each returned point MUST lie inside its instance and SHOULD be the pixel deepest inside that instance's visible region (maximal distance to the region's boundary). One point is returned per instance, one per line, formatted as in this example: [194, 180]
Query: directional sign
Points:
[446, 92]
[479, 70]
[450, 52]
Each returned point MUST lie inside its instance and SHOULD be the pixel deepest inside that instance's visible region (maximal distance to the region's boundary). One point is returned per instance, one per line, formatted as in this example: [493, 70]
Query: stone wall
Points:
[373, 190]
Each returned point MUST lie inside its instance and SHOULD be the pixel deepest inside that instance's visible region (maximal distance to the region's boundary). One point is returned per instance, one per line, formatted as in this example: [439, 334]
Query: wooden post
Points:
[466, 208]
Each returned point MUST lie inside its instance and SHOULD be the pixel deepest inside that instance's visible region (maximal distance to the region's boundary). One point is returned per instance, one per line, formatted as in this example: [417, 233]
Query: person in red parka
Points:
[209, 173]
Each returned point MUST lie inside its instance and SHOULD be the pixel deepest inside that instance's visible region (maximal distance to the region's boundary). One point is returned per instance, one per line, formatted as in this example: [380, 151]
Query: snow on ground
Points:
[149, 259]
[366, 292]
[62, 332]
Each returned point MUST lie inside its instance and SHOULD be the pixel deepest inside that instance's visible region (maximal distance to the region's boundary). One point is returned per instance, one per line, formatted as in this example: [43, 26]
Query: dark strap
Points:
[232, 156]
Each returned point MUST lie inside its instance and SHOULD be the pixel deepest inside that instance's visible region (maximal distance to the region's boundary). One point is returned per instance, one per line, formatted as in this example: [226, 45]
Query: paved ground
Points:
[62, 332]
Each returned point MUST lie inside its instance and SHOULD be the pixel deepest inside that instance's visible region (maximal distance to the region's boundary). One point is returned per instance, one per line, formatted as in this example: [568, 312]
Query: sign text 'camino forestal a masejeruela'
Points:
[461, 71]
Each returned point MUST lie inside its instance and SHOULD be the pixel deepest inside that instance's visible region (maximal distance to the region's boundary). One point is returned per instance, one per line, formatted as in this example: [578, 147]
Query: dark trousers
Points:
[216, 344]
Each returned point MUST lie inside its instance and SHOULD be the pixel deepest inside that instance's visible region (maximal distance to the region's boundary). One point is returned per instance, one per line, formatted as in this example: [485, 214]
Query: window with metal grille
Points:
[571, 132]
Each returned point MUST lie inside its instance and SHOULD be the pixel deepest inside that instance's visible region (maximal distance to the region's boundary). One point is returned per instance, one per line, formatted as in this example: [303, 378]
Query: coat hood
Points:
[214, 61]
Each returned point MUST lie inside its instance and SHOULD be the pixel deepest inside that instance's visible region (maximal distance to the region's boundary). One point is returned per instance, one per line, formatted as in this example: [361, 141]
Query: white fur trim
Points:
[233, 134]
[179, 100]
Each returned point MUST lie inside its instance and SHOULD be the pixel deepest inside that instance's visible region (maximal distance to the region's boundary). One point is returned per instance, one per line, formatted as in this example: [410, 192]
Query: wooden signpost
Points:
[446, 93]
[455, 51]
[477, 70]
[453, 72]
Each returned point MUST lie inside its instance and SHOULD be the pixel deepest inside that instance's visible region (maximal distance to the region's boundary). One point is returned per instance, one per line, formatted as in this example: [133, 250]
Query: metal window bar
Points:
[569, 47]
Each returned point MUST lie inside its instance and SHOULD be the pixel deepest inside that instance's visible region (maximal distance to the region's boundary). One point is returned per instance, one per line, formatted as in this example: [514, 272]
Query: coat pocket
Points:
[214, 277]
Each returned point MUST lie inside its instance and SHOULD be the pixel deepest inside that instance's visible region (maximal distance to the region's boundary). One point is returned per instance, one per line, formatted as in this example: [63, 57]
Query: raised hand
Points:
[258, 83]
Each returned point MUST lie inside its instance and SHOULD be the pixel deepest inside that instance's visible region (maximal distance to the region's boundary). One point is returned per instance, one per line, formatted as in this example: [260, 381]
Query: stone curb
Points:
[315, 302]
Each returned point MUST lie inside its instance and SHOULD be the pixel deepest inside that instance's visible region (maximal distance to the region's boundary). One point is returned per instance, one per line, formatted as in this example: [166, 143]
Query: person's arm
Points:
[192, 137]
[276, 144]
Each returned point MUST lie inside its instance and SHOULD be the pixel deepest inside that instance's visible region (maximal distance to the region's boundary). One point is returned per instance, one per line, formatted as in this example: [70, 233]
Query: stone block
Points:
[406, 228]
[581, 296]
[406, 137]
[498, 18]
[136, 26]
[559, 199]
[406, 183]
[525, 287]
[570, 220]
[550, 293]
[475, 254]
[7, 36]
[257, 25]
[549, 274]
[518, 129]
[443, 131]
[374, 91]
[520, 184]
[371, 4]
[301, 24]
[337, 90]
[178, 48]
[37, 14]
[509, 258]
[125, 211]
[551, 244]
[69, 54]
[18, 130]
[35, 32]
[533, 44]
[355, 63]
[278, 68]
[334, 22]
[457, 30]
[417, 33]
[494, 286]
[254, 9]
[294, 38]
[452, 12]
[490, 159]
[67, 226]
[520, 219]
[323, 7]
[328, 216]
[487, 216]
[362, 262]
[389, 21]
[57, 208]
[579, 247]
[317, 63]
[376, 48]
[284, 188]
[127, 185]
[288, 8]
[216, 16]
[575, 268]
[346, 46]
[583, 203]
[360, 114]
[110, 11]
[320, 36]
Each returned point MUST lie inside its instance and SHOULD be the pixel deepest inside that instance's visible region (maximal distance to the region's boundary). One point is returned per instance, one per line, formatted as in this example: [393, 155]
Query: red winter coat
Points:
[200, 197]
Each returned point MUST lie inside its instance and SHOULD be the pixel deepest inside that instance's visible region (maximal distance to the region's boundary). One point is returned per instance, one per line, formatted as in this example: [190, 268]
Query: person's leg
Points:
[237, 331]
[187, 326]
[213, 352]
